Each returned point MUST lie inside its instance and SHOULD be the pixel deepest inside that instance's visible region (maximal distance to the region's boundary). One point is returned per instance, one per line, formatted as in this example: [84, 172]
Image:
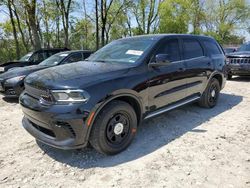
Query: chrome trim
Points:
[171, 107]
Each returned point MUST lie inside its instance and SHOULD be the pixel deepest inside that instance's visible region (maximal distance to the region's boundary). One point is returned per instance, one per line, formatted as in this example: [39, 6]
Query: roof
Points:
[160, 36]
[73, 51]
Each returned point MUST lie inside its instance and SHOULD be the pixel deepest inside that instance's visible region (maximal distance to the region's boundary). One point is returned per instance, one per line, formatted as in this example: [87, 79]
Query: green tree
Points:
[174, 16]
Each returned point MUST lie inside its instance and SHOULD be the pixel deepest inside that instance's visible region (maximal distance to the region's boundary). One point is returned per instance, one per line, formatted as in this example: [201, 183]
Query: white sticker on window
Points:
[134, 52]
[64, 55]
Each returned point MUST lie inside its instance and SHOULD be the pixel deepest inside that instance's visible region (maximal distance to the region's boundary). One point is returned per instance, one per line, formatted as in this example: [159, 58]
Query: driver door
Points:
[167, 83]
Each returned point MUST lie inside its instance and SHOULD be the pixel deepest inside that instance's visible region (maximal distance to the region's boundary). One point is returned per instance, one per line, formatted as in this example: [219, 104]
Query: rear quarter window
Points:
[192, 49]
[212, 48]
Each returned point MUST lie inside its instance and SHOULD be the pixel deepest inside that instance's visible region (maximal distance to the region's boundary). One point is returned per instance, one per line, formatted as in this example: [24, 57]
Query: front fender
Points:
[113, 96]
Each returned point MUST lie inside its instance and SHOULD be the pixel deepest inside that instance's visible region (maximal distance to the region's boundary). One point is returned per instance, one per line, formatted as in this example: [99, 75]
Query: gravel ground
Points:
[189, 146]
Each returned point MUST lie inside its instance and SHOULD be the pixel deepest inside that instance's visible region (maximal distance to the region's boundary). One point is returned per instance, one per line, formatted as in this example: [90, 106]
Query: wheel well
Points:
[134, 103]
[219, 78]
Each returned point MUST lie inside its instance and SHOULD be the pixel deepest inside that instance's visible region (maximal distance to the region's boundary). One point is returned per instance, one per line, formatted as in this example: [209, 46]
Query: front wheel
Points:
[210, 96]
[229, 76]
[114, 128]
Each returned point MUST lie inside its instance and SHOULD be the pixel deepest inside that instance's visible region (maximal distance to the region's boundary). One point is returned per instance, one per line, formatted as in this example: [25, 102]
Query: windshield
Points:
[122, 51]
[26, 57]
[229, 50]
[54, 59]
[244, 47]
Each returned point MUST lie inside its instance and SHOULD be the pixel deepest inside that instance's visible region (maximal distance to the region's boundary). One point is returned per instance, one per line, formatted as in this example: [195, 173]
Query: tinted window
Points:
[74, 58]
[212, 48]
[26, 57]
[170, 47]
[192, 48]
[39, 56]
[86, 54]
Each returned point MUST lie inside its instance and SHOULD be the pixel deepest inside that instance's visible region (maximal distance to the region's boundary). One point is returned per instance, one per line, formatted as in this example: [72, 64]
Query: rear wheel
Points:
[210, 96]
[114, 128]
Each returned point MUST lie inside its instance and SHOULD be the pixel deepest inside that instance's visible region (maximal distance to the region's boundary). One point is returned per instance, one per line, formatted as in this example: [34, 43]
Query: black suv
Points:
[238, 63]
[12, 81]
[103, 100]
[32, 58]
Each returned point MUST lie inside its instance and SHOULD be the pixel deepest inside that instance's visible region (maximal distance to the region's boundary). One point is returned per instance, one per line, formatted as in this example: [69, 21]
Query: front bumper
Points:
[9, 90]
[60, 126]
[238, 69]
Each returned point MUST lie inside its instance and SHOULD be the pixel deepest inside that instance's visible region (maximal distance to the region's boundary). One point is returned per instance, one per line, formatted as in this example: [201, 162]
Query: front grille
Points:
[43, 130]
[239, 60]
[38, 93]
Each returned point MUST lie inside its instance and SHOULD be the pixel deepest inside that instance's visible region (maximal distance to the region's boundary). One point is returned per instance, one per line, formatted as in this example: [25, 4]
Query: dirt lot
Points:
[186, 147]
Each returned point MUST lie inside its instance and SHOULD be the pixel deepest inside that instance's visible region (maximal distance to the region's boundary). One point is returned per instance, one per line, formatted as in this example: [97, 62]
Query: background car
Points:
[12, 82]
[32, 58]
[238, 63]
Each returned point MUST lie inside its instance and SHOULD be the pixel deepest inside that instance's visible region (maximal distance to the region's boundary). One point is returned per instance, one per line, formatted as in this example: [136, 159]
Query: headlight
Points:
[70, 95]
[15, 79]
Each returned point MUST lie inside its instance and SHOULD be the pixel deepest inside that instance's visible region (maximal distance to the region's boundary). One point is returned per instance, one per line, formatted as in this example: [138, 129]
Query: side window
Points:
[192, 49]
[85, 55]
[50, 53]
[212, 48]
[73, 58]
[39, 56]
[170, 47]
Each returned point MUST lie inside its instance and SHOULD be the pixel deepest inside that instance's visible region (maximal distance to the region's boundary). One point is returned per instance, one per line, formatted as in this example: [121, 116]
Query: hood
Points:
[75, 75]
[21, 71]
[239, 54]
[13, 62]
[6, 66]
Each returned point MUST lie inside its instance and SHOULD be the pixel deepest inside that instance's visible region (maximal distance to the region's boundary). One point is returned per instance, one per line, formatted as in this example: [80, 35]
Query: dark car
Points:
[32, 58]
[12, 81]
[238, 63]
[103, 100]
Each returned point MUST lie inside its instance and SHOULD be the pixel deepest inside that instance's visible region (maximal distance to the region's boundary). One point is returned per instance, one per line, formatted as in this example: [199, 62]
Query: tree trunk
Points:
[29, 29]
[65, 19]
[31, 10]
[20, 28]
[14, 29]
[97, 24]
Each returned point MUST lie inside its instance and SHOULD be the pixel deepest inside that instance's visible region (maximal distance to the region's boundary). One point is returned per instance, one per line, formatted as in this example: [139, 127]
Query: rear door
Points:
[198, 65]
[167, 83]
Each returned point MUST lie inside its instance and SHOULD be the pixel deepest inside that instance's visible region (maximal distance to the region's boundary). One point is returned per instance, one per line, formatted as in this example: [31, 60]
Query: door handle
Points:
[209, 63]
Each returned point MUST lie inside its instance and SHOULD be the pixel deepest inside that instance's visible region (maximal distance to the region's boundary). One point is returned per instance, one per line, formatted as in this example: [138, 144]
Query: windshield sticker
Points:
[134, 52]
[64, 55]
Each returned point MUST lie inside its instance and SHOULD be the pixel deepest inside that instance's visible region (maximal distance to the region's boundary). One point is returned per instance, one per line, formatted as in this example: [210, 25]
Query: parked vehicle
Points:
[229, 50]
[12, 81]
[32, 58]
[103, 100]
[238, 63]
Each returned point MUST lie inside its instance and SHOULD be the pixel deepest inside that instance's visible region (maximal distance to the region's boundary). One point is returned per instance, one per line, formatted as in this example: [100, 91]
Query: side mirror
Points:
[160, 60]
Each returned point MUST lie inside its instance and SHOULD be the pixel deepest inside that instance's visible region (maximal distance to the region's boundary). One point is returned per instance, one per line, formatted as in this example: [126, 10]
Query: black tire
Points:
[210, 96]
[229, 76]
[105, 136]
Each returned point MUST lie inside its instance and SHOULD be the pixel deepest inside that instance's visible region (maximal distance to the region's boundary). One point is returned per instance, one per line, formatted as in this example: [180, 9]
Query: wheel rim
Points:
[213, 94]
[118, 129]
